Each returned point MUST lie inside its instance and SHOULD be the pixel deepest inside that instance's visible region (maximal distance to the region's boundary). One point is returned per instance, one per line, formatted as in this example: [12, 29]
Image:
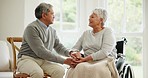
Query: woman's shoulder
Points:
[87, 32]
[108, 29]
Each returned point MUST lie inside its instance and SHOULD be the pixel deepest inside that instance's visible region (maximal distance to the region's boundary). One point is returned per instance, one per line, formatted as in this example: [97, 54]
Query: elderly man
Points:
[39, 39]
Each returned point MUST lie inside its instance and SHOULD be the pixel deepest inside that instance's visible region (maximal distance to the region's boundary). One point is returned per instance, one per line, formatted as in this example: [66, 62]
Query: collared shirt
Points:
[44, 26]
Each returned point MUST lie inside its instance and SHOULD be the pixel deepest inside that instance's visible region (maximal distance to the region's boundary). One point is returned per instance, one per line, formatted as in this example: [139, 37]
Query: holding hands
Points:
[76, 59]
[76, 56]
[71, 62]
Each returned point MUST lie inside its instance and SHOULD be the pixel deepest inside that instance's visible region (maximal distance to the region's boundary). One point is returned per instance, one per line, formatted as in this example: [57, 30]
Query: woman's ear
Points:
[101, 19]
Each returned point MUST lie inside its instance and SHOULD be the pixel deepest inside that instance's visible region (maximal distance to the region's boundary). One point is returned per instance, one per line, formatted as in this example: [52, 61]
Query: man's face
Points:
[49, 17]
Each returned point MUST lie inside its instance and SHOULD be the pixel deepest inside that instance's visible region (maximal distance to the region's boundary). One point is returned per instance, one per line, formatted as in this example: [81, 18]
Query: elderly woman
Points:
[97, 45]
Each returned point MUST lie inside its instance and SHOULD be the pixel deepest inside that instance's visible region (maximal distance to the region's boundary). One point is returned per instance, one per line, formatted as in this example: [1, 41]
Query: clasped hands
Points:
[75, 59]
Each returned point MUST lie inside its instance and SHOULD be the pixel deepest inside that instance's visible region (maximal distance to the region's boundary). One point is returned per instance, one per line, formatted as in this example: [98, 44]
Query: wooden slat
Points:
[21, 75]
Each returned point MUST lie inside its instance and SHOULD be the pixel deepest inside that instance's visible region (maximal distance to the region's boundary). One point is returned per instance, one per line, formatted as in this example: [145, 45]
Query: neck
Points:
[97, 29]
[44, 22]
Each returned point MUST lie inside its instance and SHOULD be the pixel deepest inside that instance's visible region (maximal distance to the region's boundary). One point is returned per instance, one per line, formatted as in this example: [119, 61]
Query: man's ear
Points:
[43, 15]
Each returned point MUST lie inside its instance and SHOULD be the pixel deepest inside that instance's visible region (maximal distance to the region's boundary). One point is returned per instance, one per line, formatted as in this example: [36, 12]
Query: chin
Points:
[51, 23]
[90, 25]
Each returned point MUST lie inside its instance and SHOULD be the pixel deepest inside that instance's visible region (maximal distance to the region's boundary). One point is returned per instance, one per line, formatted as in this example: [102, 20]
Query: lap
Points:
[28, 65]
[92, 69]
[50, 67]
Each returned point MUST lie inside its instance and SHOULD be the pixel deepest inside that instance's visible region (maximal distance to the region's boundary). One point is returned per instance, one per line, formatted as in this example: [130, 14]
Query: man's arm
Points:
[31, 36]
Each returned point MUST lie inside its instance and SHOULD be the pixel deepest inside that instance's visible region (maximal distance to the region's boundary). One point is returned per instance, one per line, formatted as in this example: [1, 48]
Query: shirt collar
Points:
[42, 24]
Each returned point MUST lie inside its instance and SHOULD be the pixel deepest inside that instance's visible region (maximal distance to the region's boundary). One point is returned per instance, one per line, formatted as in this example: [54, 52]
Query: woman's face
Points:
[95, 20]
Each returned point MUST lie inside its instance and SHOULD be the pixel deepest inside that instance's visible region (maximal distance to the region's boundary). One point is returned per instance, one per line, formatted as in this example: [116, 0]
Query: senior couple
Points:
[36, 55]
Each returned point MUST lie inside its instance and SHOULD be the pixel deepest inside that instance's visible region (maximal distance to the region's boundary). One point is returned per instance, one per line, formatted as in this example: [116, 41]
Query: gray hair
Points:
[42, 8]
[102, 13]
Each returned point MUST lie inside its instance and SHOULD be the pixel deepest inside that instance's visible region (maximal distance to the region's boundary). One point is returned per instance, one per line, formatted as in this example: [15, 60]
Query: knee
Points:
[37, 74]
[59, 72]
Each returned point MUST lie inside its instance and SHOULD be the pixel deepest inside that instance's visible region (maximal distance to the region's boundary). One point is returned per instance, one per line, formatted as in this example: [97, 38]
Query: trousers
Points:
[37, 67]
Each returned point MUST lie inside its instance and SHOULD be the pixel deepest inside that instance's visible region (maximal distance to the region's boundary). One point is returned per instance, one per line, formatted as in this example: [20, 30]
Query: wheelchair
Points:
[124, 69]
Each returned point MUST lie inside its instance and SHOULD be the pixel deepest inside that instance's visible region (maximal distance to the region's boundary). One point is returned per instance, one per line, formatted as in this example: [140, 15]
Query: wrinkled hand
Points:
[76, 55]
[71, 62]
[85, 59]
[80, 60]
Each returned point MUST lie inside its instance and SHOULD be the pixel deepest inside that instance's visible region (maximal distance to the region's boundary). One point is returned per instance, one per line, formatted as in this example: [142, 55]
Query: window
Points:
[65, 15]
[65, 21]
[125, 17]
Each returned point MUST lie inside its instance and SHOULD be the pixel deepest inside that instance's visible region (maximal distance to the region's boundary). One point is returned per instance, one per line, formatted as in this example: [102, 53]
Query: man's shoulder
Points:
[33, 24]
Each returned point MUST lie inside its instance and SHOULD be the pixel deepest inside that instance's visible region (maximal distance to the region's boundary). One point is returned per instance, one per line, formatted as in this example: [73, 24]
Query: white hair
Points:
[102, 13]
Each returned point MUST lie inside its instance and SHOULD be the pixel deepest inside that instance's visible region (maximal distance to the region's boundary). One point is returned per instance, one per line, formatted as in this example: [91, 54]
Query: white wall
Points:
[30, 6]
[11, 18]
[145, 40]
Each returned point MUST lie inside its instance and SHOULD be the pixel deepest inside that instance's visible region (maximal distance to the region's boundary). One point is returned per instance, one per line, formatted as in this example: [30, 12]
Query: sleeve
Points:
[31, 35]
[59, 48]
[108, 44]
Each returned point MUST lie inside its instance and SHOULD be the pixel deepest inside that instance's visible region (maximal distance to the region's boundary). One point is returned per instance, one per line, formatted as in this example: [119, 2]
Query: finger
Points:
[74, 60]
[72, 63]
[78, 55]
[74, 57]
[78, 61]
